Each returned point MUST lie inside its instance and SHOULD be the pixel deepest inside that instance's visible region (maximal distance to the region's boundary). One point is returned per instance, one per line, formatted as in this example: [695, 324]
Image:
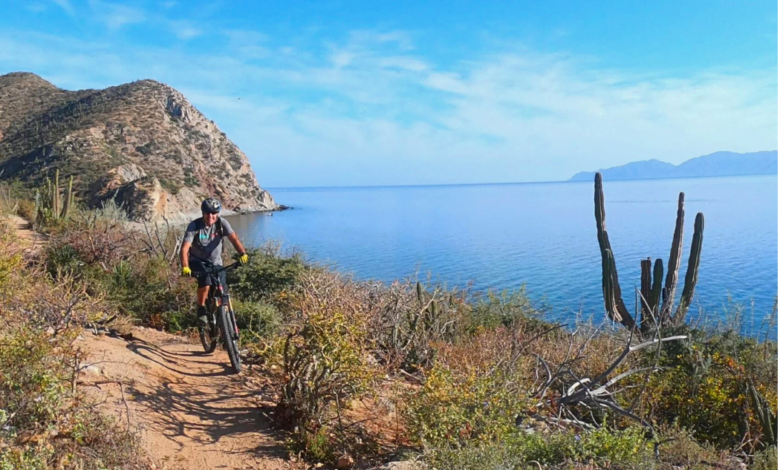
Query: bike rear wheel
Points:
[208, 338]
[230, 337]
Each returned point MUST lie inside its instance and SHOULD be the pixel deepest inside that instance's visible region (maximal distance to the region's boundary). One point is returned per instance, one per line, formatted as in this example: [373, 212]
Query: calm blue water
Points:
[541, 235]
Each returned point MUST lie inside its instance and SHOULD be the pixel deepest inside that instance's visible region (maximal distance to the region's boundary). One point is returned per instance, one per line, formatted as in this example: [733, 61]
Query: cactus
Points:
[645, 290]
[613, 301]
[764, 414]
[655, 293]
[68, 199]
[674, 260]
[50, 203]
[692, 274]
[55, 206]
[660, 299]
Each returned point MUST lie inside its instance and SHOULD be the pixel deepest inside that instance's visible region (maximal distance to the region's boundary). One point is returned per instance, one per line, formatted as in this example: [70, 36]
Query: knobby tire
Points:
[208, 340]
[229, 337]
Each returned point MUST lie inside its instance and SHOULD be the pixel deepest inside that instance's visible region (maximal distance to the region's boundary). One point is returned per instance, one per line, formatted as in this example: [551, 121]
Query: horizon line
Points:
[508, 183]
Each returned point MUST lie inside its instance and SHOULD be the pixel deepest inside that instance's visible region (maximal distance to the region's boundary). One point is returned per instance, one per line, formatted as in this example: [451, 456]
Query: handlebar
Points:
[218, 269]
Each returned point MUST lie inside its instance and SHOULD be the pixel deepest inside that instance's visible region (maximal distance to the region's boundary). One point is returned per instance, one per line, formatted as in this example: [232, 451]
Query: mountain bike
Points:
[221, 318]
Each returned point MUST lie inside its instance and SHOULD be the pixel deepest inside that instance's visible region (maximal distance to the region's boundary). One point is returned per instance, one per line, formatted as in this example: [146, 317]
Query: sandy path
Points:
[191, 412]
[27, 240]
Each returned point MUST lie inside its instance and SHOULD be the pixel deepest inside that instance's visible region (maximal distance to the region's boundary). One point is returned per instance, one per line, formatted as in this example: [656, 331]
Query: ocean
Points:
[543, 236]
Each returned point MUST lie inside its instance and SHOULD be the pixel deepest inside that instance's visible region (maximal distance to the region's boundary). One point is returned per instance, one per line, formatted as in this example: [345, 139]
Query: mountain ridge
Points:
[141, 143]
[720, 163]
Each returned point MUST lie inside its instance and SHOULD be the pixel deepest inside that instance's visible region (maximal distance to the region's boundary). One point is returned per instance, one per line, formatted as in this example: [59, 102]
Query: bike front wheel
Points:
[230, 337]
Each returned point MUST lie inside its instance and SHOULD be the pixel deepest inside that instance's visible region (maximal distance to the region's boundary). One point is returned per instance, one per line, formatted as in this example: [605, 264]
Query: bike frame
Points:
[219, 294]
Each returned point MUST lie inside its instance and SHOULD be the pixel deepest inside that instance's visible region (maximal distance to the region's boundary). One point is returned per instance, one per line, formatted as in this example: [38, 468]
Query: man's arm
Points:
[236, 243]
[185, 254]
[186, 244]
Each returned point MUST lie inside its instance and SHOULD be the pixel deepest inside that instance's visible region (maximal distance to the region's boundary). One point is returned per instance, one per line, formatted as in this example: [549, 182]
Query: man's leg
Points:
[203, 294]
[203, 289]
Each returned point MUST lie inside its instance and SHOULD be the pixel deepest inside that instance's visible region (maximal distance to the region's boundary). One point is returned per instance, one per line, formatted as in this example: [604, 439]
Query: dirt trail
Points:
[26, 239]
[191, 411]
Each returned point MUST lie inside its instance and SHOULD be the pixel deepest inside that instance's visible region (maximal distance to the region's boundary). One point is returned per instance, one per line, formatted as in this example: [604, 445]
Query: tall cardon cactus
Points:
[657, 300]
[613, 301]
[50, 204]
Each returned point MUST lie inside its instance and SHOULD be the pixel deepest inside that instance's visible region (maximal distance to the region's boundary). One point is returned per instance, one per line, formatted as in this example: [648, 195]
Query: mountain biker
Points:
[202, 248]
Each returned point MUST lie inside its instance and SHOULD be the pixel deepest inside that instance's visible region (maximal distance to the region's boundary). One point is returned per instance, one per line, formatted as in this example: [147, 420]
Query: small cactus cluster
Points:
[657, 299]
[50, 204]
[764, 413]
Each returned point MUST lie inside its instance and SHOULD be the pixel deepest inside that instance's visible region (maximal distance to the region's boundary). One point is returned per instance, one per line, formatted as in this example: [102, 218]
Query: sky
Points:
[337, 93]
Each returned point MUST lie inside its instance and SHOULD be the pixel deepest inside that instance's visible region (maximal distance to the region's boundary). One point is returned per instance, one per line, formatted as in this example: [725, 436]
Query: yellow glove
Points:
[186, 271]
[244, 259]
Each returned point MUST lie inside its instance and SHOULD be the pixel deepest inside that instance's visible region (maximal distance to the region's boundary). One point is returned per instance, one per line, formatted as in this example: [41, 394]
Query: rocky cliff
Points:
[141, 143]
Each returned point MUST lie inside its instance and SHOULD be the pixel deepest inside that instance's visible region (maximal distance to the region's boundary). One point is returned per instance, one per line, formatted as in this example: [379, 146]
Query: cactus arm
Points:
[675, 256]
[68, 199]
[613, 301]
[764, 413]
[56, 196]
[646, 290]
[608, 286]
[692, 273]
[655, 293]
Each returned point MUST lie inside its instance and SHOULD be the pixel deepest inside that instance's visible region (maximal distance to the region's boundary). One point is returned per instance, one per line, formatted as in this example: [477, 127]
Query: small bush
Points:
[26, 210]
[325, 365]
[451, 408]
[706, 387]
[765, 459]
[266, 275]
[45, 422]
[603, 448]
[32, 377]
[504, 308]
[259, 320]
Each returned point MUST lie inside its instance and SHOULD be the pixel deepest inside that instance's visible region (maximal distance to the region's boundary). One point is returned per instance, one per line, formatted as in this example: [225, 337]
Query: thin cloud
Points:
[66, 6]
[370, 101]
[247, 44]
[115, 16]
[36, 7]
[183, 29]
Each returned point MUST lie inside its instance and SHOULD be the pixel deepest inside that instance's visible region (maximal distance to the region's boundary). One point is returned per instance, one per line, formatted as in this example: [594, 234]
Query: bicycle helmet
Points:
[211, 206]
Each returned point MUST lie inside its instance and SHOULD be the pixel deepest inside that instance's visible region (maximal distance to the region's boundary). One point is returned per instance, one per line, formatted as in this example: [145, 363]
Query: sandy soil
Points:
[27, 240]
[192, 413]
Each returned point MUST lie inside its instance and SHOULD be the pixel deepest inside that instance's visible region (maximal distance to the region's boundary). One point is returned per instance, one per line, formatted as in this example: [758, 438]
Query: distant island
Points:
[714, 164]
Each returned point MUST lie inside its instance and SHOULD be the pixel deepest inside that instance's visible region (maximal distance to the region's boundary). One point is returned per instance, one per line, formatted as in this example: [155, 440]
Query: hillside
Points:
[715, 164]
[142, 143]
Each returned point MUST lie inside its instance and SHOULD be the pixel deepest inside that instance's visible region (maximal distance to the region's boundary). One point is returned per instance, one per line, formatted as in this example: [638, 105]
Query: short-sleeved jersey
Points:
[206, 241]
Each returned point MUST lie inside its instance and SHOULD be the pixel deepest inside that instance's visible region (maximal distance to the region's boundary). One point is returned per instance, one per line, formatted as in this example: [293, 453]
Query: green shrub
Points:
[63, 258]
[32, 377]
[26, 210]
[257, 319]
[603, 448]
[453, 408]
[147, 288]
[505, 308]
[765, 459]
[706, 386]
[266, 275]
[45, 422]
[324, 362]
